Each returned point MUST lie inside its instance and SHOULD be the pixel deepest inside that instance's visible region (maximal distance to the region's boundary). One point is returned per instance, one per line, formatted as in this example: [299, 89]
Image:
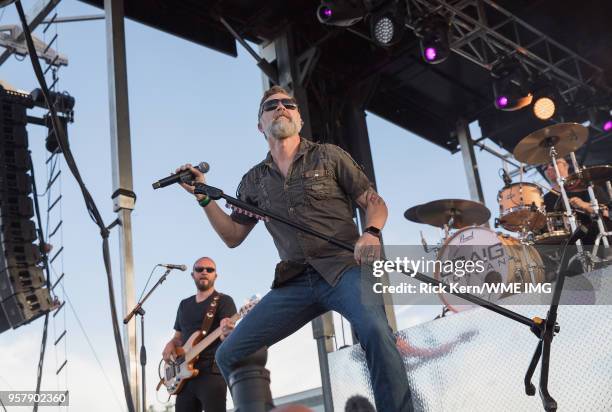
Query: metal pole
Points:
[323, 333]
[322, 327]
[469, 161]
[357, 142]
[121, 156]
[143, 361]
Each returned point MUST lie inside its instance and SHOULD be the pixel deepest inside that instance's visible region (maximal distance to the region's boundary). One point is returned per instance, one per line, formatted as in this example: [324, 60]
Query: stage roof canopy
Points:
[427, 100]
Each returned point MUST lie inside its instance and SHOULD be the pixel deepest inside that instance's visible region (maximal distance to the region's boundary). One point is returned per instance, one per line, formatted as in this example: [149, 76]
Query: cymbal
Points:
[465, 213]
[534, 149]
[597, 174]
[411, 214]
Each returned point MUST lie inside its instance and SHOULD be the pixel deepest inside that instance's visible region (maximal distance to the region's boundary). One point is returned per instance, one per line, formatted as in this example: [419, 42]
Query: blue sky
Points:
[187, 104]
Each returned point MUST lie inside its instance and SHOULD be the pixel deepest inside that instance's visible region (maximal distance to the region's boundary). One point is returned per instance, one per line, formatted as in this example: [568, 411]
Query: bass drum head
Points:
[504, 259]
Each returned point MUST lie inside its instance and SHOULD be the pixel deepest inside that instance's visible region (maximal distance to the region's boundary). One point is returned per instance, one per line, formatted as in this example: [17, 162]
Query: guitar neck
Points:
[207, 341]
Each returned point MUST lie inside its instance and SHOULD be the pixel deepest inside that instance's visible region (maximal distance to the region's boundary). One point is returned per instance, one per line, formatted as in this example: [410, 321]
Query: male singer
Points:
[314, 184]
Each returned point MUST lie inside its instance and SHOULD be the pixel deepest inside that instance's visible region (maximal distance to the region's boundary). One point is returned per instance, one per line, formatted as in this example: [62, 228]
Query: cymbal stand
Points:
[450, 223]
[602, 236]
[560, 183]
[568, 209]
[523, 237]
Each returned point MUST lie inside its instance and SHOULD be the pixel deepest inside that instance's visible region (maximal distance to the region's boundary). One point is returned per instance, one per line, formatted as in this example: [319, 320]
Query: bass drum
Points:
[504, 258]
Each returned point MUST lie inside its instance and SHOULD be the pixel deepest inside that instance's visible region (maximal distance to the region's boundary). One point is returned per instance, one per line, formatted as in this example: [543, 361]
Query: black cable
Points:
[147, 283]
[91, 347]
[2, 404]
[41, 359]
[51, 172]
[89, 202]
[45, 259]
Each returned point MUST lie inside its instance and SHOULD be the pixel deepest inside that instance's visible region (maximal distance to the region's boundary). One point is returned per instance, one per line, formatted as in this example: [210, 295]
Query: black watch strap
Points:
[373, 231]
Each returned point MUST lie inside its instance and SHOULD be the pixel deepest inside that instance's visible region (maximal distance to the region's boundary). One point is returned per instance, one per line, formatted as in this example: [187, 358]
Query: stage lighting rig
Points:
[63, 102]
[387, 23]
[342, 13]
[511, 88]
[546, 101]
[601, 119]
[434, 33]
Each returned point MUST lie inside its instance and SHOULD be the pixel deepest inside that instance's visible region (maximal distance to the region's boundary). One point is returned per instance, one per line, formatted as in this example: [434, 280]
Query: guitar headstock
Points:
[250, 304]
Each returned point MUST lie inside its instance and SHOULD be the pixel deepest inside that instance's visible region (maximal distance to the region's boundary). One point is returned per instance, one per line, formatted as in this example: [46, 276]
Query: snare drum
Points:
[557, 229]
[504, 258]
[521, 207]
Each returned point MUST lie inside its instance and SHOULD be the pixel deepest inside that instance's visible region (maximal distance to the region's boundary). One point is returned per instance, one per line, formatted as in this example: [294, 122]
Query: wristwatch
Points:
[374, 231]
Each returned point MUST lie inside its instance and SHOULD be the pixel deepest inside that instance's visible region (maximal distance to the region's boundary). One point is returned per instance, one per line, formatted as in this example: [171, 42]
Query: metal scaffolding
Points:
[473, 37]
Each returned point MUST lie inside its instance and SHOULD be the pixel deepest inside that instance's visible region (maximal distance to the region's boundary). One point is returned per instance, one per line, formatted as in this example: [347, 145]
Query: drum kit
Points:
[522, 210]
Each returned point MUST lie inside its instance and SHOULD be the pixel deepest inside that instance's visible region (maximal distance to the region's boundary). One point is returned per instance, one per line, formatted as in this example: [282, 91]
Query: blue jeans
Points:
[286, 309]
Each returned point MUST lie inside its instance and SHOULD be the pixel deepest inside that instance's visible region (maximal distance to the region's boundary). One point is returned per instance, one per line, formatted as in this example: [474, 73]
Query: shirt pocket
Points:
[318, 184]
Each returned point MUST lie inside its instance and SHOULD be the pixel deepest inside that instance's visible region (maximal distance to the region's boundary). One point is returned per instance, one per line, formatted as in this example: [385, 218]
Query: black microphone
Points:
[185, 176]
[171, 266]
[506, 177]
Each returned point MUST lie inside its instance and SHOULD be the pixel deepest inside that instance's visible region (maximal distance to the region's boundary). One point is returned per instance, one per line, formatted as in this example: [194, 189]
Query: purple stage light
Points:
[327, 12]
[607, 126]
[430, 54]
[502, 101]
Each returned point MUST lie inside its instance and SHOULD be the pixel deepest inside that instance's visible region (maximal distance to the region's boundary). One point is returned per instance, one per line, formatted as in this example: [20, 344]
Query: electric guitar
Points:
[177, 372]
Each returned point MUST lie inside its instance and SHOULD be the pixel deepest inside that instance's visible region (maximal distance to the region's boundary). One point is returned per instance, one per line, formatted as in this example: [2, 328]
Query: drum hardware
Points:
[587, 177]
[425, 245]
[449, 213]
[547, 144]
[534, 149]
[411, 214]
[557, 229]
[506, 264]
[598, 175]
[521, 206]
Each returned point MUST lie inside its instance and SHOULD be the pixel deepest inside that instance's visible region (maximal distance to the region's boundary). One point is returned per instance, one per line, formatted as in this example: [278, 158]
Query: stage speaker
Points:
[23, 296]
[25, 307]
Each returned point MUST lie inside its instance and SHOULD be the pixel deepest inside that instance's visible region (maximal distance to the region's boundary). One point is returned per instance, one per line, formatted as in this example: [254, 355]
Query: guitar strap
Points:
[210, 313]
[207, 323]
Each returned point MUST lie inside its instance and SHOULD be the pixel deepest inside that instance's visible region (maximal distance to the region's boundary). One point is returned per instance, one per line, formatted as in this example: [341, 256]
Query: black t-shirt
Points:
[190, 315]
[554, 203]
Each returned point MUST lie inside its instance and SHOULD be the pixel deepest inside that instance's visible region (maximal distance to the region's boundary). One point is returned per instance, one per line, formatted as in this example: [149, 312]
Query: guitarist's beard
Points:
[204, 284]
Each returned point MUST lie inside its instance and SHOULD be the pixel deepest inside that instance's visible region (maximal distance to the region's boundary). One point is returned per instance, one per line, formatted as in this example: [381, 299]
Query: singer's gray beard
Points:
[283, 127]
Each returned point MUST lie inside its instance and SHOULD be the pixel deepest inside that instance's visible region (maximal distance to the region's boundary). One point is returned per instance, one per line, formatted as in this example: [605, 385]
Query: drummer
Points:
[579, 200]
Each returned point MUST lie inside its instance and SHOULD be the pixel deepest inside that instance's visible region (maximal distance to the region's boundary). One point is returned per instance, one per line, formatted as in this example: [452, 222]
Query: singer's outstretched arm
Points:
[232, 233]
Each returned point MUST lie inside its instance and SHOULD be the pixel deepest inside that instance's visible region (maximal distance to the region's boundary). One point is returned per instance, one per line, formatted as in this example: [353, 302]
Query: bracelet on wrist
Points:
[204, 201]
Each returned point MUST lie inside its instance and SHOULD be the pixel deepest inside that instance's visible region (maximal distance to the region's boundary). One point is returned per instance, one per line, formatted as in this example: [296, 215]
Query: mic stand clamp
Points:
[138, 310]
[210, 191]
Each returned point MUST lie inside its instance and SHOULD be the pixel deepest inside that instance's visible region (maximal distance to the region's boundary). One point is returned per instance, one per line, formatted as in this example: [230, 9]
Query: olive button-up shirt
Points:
[317, 192]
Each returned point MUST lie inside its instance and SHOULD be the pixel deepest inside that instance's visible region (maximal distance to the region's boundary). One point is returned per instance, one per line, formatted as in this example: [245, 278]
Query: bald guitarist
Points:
[207, 391]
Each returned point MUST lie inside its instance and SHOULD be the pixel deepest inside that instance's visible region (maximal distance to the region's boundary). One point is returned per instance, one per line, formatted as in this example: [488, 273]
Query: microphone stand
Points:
[544, 329]
[138, 310]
